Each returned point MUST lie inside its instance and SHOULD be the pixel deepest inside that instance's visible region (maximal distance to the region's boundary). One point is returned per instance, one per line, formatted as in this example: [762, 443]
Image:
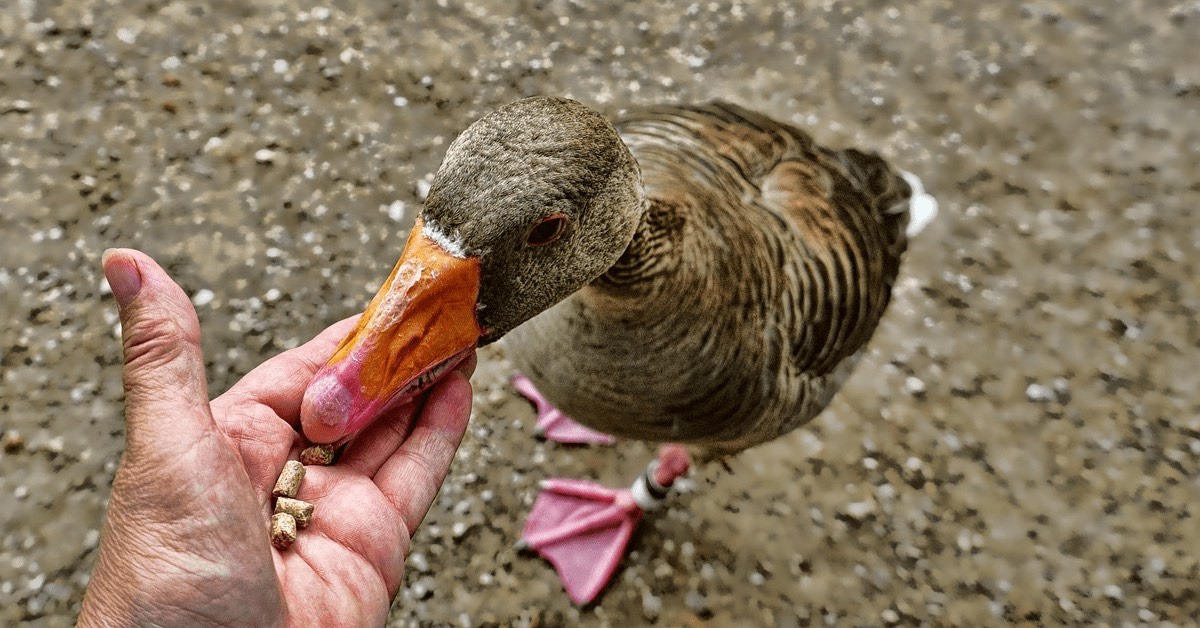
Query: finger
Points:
[376, 444]
[411, 478]
[371, 449]
[166, 396]
[279, 383]
[467, 366]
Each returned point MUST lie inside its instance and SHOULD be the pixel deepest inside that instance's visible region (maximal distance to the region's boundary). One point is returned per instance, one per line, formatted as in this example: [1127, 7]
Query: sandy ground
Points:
[1020, 446]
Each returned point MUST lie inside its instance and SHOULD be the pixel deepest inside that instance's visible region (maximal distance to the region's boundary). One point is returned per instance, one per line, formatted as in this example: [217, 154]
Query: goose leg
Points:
[552, 423]
[583, 528]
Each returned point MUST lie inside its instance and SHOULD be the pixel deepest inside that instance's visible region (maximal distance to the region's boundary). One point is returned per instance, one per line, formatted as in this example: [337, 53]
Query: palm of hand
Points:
[207, 501]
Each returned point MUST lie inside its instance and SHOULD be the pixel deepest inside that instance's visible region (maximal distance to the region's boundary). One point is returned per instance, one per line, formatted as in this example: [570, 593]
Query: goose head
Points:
[531, 203]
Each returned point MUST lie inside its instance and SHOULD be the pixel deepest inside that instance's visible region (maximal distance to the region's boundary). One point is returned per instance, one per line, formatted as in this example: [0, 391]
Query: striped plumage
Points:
[759, 268]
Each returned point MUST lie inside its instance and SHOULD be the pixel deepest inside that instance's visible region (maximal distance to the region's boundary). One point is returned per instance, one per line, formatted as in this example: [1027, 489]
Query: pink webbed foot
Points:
[583, 528]
[553, 424]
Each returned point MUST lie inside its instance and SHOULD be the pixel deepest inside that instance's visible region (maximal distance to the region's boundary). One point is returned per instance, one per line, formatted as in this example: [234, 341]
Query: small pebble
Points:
[419, 562]
[395, 211]
[651, 606]
[695, 601]
[859, 510]
[13, 442]
[203, 297]
[1038, 393]
[423, 588]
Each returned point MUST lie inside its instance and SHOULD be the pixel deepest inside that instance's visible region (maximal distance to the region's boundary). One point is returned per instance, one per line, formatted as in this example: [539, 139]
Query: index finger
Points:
[279, 382]
[412, 477]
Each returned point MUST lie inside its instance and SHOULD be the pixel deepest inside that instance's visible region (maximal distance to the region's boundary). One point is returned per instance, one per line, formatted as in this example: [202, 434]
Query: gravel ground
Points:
[1021, 444]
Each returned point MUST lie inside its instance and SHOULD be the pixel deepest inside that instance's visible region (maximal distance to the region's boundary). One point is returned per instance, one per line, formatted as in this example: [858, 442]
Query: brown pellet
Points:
[300, 510]
[319, 455]
[283, 530]
[289, 479]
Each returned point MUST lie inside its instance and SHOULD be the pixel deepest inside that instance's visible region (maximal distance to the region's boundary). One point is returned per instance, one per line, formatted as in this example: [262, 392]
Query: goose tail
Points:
[904, 210]
[922, 207]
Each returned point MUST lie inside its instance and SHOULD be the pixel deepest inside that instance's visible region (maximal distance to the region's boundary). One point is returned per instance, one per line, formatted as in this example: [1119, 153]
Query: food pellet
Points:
[300, 510]
[289, 479]
[283, 530]
[320, 455]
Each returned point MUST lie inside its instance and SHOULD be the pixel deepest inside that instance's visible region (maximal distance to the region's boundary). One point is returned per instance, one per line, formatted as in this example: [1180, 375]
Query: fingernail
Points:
[123, 277]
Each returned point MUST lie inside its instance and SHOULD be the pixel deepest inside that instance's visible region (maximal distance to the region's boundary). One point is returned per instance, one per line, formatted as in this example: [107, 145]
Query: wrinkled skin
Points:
[186, 541]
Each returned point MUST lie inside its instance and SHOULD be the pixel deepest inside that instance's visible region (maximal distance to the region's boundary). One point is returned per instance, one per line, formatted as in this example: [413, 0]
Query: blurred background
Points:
[1020, 445]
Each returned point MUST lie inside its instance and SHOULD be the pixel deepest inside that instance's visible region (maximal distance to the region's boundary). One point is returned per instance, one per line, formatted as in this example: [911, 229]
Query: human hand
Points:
[186, 537]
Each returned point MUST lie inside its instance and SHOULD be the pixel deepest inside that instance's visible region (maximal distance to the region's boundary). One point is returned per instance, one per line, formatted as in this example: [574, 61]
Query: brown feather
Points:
[761, 267]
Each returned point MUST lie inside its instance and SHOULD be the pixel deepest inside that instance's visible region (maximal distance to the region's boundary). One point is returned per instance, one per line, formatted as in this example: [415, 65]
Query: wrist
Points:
[131, 587]
[136, 597]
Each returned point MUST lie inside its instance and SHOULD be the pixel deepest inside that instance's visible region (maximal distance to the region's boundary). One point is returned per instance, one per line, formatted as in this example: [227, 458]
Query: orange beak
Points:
[420, 325]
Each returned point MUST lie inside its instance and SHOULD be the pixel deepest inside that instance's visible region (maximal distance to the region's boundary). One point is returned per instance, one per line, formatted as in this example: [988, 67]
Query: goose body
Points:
[760, 267]
[698, 275]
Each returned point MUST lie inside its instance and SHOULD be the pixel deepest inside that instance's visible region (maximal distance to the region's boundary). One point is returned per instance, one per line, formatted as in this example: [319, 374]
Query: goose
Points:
[699, 276]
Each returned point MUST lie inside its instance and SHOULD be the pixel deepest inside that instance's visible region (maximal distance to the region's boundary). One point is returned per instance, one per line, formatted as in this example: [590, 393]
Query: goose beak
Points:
[418, 327]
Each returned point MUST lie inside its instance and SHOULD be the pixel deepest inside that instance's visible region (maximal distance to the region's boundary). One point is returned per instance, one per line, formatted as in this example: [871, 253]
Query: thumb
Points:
[166, 396]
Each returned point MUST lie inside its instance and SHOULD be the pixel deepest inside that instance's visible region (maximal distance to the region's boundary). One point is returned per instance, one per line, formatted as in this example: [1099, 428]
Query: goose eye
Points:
[546, 230]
